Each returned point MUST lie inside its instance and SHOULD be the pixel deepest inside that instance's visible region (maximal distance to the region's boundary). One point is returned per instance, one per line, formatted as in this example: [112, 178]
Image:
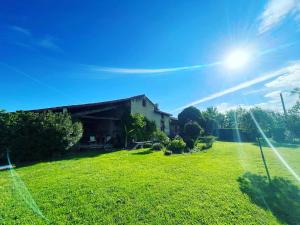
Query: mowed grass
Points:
[143, 187]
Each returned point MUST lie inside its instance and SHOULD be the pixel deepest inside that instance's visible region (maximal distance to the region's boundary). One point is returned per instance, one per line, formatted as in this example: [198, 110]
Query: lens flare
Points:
[287, 166]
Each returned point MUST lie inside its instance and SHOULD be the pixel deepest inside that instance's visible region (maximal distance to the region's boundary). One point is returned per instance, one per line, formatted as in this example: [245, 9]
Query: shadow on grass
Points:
[281, 196]
[72, 155]
[146, 152]
[279, 145]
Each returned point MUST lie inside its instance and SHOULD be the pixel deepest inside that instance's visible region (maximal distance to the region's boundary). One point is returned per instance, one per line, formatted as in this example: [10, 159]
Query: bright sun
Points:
[237, 59]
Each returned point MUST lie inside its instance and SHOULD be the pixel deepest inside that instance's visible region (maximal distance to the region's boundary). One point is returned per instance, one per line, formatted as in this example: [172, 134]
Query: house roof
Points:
[78, 106]
[81, 106]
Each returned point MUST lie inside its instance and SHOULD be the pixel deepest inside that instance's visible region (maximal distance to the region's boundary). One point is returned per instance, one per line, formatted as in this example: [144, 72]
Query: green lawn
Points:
[144, 187]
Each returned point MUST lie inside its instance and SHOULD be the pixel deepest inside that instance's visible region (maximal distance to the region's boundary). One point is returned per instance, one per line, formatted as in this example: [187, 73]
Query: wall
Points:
[149, 113]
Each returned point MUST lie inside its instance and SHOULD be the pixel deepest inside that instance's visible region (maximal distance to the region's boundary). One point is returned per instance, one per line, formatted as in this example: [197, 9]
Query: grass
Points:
[143, 187]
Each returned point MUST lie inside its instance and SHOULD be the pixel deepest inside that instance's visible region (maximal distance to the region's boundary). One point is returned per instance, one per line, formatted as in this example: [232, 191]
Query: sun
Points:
[237, 59]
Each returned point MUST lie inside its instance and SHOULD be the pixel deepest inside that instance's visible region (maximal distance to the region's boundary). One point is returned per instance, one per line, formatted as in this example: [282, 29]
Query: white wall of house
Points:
[137, 106]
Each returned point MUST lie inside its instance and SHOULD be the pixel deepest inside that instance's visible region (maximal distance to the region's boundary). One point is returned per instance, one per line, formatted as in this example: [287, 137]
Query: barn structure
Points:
[102, 120]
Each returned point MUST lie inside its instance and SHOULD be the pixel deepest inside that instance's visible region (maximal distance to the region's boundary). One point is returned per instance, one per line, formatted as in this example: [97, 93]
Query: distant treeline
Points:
[243, 124]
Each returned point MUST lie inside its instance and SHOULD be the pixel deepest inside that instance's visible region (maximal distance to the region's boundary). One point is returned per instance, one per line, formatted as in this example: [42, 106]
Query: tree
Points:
[293, 120]
[137, 127]
[189, 114]
[262, 117]
[149, 129]
[212, 114]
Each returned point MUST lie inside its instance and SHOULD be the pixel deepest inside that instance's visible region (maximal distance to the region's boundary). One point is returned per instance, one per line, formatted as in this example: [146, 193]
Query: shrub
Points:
[199, 146]
[192, 131]
[35, 136]
[190, 143]
[168, 152]
[161, 137]
[157, 146]
[189, 114]
[177, 145]
[208, 140]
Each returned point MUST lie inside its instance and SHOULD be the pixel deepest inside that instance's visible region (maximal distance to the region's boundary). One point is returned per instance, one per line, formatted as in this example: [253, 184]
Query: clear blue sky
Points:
[67, 52]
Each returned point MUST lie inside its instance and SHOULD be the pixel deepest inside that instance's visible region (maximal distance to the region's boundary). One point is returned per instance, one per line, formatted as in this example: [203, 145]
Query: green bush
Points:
[36, 136]
[199, 146]
[192, 131]
[161, 137]
[157, 146]
[208, 141]
[190, 143]
[177, 145]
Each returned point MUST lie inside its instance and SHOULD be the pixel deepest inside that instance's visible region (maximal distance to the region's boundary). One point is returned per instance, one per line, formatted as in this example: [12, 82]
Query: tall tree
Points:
[187, 115]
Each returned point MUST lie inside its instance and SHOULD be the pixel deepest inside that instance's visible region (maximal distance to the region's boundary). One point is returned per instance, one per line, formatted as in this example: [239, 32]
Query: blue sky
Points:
[69, 52]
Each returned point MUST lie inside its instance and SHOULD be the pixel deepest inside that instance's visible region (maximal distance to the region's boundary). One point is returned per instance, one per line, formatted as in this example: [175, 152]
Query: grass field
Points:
[144, 187]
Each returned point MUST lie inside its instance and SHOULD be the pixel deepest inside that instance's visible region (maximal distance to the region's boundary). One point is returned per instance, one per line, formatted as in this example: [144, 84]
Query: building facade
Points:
[102, 121]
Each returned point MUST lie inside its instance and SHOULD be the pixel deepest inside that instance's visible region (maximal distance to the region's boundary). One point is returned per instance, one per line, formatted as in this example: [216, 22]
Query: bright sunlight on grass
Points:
[145, 187]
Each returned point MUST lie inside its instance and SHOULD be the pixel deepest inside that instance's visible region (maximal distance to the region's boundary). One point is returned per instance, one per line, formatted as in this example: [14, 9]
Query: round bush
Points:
[177, 145]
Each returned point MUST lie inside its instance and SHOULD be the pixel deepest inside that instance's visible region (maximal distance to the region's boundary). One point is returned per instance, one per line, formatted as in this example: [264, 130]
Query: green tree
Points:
[293, 121]
[212, 114]
[137, 127]
[161, 137]
[189, 114]
[262, 117]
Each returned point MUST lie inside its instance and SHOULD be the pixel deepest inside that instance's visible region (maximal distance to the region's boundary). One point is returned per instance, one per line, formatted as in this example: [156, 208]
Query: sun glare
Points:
[237, 59]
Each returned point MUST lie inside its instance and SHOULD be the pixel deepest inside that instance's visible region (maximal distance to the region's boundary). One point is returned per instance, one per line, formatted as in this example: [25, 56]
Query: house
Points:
[102, 121]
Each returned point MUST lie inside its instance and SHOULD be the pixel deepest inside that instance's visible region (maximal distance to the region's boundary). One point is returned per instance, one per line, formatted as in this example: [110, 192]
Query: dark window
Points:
[144, 102]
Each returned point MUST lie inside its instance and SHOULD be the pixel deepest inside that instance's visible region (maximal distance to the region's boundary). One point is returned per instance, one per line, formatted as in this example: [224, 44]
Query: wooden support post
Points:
[264, 160]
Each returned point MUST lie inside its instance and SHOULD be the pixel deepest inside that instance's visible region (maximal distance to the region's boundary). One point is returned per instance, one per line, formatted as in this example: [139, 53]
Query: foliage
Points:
[161, 137]
[34, 136]
[239, 125]
[293, 121]
[136, 127]
[213, 120]
[278, 134]
[187, 115]
[149, 129]
[157, 146]
[192, 130]
[208, 140]
[177, 145]
[199, 146]
[190, 143]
